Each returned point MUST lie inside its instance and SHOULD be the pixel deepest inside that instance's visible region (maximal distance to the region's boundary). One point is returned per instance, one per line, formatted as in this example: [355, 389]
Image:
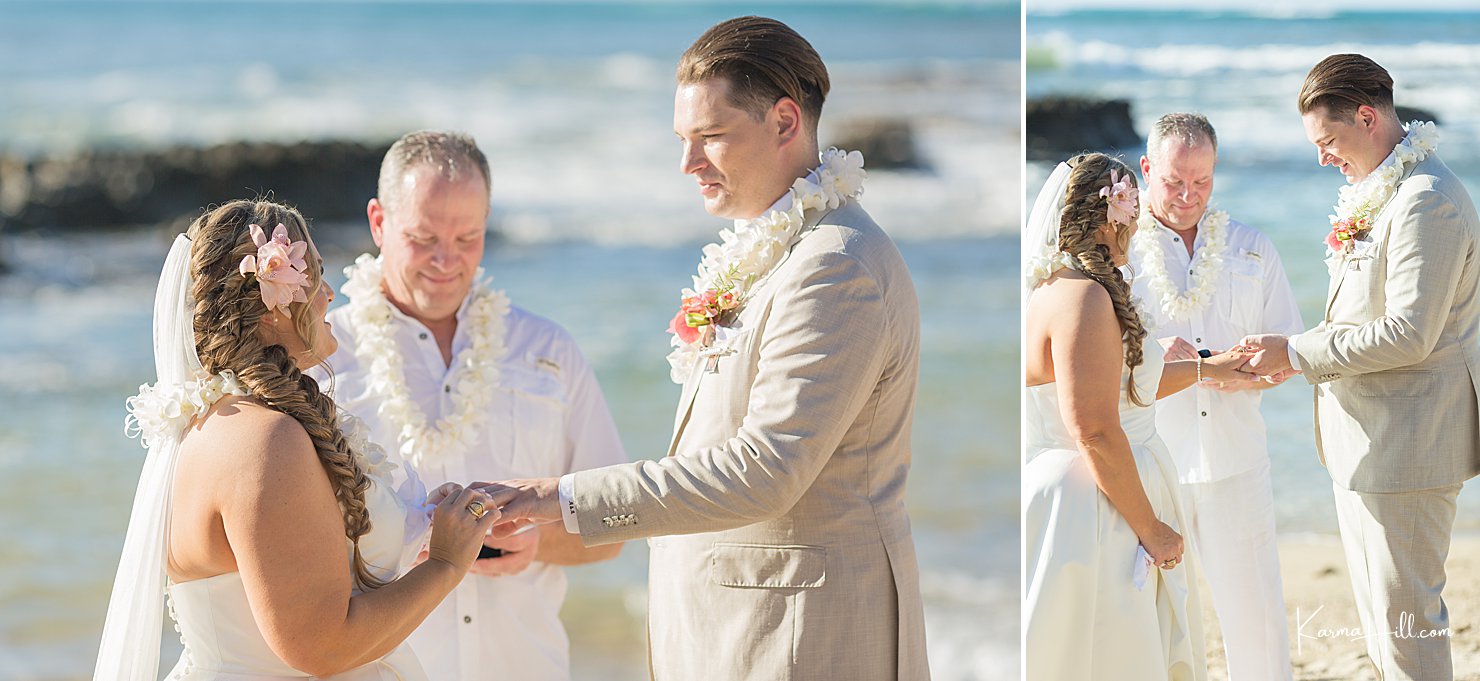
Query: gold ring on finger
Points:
[476, 508]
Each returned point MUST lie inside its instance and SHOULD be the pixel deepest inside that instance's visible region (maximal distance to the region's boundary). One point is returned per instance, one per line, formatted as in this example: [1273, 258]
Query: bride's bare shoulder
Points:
[1070, 292]
[245, 431]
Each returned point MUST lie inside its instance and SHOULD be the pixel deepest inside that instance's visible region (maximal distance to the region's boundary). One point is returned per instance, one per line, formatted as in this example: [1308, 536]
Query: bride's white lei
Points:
[477, 367]
[1207, 264]
[747, 253]
[164, 410]
[1357, 205]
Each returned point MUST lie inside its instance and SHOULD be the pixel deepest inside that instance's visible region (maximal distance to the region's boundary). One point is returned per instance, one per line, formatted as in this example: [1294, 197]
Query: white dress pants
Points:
[1233, 538]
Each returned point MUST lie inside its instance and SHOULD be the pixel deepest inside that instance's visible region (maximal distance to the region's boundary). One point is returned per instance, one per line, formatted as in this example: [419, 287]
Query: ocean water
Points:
[572, 102]
[1243, 71]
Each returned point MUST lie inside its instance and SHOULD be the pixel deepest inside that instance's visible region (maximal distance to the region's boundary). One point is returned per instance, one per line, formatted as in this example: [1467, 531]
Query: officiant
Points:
[468, 386]
[1206, 282]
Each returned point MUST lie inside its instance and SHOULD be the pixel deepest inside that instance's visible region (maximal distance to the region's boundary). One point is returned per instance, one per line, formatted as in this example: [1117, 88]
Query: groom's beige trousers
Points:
[1396, 544]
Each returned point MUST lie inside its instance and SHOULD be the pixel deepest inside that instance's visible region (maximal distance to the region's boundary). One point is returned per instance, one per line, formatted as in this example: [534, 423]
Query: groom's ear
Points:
[1367, 117]
[787, 118]
[376, 213]
[1145, 168]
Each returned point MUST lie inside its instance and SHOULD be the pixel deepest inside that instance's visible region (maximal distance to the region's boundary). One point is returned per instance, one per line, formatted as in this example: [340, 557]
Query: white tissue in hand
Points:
[1142, 569]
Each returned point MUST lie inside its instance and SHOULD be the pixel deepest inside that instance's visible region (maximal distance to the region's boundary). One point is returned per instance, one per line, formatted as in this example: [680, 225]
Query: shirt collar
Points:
[783, 203]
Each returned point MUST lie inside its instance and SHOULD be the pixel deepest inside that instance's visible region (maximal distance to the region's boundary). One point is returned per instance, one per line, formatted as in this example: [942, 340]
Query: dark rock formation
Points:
[1060, 126]
[96, 189]
[885, 144]
[1413, 113]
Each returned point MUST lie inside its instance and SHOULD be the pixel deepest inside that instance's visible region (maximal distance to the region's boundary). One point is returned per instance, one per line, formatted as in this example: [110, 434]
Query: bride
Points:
[264, 518]
[1101, 516]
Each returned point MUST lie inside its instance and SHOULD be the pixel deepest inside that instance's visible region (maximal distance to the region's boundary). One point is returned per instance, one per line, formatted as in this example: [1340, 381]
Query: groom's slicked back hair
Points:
[452, 154]
[763, 60]
[1342, 83]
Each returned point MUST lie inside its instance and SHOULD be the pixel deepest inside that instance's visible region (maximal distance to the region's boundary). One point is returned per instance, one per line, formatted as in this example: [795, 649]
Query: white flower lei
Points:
[1042, 266]
[747, 253]
[1207, 264]
[477, 366]
[161, 411]
[1368, 197]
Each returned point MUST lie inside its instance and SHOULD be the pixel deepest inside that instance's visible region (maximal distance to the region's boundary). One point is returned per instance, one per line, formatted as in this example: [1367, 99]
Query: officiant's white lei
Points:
[746, 254]
[1357, 205]
[1207, 264]
[477, 366]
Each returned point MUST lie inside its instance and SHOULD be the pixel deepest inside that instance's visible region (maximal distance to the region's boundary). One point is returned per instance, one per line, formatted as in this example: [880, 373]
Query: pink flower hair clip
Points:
[1121, 196]
[280, 268]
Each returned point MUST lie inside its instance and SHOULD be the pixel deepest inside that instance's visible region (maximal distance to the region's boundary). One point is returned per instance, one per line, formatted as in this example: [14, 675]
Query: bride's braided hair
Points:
[1085, 212]
[228, 312]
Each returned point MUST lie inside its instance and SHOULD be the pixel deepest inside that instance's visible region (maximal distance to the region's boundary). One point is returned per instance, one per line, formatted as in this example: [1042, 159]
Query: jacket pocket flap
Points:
[763, 566]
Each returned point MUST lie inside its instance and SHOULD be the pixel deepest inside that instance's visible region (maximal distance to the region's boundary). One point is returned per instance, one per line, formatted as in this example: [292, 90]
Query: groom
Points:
[1394, 362]
[781, 548]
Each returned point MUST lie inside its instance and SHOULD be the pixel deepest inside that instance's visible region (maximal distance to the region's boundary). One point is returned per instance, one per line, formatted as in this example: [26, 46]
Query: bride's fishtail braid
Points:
[228, 312]
[1085, 212]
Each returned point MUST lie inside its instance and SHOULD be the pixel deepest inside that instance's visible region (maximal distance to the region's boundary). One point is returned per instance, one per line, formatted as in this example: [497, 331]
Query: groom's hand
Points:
[518, 551]
[1273, 358]
[522, 502]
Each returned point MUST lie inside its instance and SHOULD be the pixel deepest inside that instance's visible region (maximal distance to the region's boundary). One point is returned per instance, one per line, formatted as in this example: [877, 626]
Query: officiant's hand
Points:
[1176, 348]
[1163, 544]
[1273, 358]
[523, 501]
[518, 551]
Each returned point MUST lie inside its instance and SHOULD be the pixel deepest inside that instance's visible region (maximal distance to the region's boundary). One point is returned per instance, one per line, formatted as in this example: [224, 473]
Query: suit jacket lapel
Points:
[1382, 226]
[691, 386]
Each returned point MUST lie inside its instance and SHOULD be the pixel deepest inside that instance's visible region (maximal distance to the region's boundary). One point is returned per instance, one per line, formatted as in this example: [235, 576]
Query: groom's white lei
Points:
[746, 254]
[477, 366]
[1207, 264]
[1364, 200]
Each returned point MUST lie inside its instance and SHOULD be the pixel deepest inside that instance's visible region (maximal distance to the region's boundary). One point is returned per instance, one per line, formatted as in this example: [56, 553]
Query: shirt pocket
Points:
[1243, 300]
[537, 407]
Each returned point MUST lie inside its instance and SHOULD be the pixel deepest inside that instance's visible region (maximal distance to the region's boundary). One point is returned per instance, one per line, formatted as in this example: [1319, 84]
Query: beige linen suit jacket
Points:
[781, 546]
[1396, 361]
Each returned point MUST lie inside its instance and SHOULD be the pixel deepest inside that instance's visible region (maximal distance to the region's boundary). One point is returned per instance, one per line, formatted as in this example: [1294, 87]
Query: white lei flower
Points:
[1368, 197]
[1042, 266]
[1207, 264]
[747, 253]
[477, 366]
[161, 411]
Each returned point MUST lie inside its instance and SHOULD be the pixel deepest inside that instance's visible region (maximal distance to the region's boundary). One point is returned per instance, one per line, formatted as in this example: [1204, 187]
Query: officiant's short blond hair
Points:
[1343, 83]
[763, 60]
[1191, 129]
[453, 155]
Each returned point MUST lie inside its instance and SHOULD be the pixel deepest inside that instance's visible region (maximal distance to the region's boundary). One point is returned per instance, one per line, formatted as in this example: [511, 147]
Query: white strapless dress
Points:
[221, 638]
[1084, 617]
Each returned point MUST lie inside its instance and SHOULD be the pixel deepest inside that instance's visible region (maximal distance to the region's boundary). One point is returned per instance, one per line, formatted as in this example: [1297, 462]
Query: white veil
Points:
[131, 634]
[1040, 241]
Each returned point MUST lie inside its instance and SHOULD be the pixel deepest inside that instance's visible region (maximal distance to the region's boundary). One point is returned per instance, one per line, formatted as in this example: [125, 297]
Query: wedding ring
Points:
[1169, 563]
[476, 508]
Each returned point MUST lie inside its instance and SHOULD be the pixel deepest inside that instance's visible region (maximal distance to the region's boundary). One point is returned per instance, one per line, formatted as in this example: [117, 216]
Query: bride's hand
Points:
[1163, 544]
[1229, 366]
[457, 532]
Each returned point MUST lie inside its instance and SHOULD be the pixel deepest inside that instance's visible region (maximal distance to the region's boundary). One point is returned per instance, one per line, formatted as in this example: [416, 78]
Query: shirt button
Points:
[1205, 413]
[447, 389]
[1176, 238]
[467, 619]
[1199, 340]
[422, 336]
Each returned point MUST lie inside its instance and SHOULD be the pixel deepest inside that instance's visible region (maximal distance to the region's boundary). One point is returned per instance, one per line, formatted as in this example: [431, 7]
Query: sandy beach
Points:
[1317, 587]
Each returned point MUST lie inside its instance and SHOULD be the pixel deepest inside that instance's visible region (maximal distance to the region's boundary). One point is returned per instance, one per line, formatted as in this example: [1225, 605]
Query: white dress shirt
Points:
[547, 418]
[1214, 435]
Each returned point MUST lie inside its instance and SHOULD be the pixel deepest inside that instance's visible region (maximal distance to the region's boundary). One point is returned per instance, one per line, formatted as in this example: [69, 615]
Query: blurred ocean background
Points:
[1243, 69]
[573, 105]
